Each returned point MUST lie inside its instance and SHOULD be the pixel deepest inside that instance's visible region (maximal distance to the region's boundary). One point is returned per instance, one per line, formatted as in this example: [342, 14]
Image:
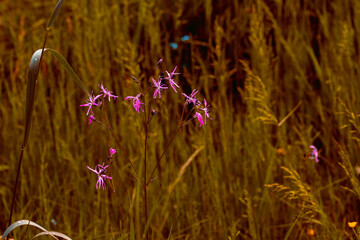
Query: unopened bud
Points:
[135, 80]
[159, 62]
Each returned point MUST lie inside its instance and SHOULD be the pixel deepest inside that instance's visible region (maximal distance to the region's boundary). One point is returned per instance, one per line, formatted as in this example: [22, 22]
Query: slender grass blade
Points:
[30, 94]
[292, 226]
[21, 223]
[69, 69]
[57, 234]
[54, 14]
[32, 79]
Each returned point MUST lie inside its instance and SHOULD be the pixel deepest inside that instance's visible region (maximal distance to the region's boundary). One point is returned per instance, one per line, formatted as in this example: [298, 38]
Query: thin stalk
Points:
[182, 114]
[167, 146]
[23, 147]
[121, 211]
[146, 210]
[145, 185]
[118, 141]
[169, 143]
[14, 189]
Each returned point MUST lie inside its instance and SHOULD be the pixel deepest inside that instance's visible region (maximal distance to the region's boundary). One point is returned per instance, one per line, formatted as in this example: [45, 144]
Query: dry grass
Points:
[254, 61]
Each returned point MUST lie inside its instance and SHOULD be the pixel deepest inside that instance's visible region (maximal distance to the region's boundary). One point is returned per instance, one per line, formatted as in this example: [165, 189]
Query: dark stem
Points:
[15, 187]
[167, 146]
[117, 141]
[182, 123]
[23, 146]
[121, 211]
[145, 185]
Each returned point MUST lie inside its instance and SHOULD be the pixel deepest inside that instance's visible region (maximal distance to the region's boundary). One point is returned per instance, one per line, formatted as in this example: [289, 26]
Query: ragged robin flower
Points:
[112, 152]
[136, 102]
[172, 82]
[91, 102]
[314, 154]
[206, 111]
[100, 170]
[191, 98]
[159, 87]
[199, 118]
[107, 93]
[91, 119]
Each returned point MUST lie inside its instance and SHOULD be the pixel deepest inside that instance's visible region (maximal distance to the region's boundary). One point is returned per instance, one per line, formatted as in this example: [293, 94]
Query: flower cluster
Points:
[206, 112]
[201, 110]
[106, 92]
[91, 102]
[94, 101]
[160, 87]
[100, 171]
[136, 102]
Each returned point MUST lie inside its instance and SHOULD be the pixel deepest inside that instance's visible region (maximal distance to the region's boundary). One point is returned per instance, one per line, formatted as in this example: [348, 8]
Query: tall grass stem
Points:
[24, 144]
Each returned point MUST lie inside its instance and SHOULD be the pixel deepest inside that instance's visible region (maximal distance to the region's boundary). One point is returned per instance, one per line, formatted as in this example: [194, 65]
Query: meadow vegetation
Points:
[279, 75]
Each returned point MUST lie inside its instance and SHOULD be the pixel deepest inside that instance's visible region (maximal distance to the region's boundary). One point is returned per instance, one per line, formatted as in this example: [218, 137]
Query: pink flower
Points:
[91, 119]
[100, 170]
[91, 102]
[199, 118]
[314, 154]
[206, 110]
[159, 87]
[136, 102]
[112, 152]
[173, 84]
[191, 98]
[173, 72]
[106, 92]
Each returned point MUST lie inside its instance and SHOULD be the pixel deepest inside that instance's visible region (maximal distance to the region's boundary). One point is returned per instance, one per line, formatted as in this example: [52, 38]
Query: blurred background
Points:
[279, 75]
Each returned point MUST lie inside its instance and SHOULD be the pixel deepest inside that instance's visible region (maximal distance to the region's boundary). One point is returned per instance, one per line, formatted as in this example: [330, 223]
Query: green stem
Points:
[108, 126]
[167, 146]
[23, 146]
[144, 185]
[182, 123]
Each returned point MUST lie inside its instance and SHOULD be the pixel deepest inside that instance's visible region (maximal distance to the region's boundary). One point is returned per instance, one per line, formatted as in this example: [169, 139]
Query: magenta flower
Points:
[172, 82]
[191, 98]
[112, 152]
[206, 110]
[106, 92]
[173, 72]
[91, 102]
[100, 170]
[91, 119]
[314, 154]
[199, 118]
[136, 102]
[159, 87]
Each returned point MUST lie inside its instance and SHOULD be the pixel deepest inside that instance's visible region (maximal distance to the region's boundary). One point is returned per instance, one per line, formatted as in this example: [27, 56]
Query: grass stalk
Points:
[23, 147]
[146, 126]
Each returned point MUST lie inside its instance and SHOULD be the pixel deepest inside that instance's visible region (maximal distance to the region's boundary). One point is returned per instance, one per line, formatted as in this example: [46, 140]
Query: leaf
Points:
[52, 233]
[183, 168]
[292, 225]
[21, 223]
[54, 14]
[30, 93]
[69, 69]
[32, 79]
